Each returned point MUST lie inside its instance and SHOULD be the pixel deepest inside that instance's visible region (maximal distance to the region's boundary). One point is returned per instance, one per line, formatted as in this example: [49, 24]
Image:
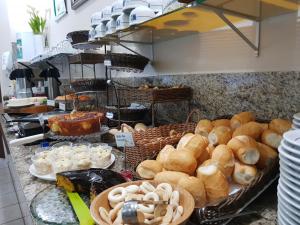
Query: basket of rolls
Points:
[224, 163]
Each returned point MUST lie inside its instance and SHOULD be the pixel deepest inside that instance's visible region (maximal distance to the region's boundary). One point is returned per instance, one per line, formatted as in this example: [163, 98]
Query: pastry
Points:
[204, 156]
[149, 168]
[63, 165]
[194, 143]
[221, 122]
[245, 149]
[215, 183]
[164, 154]
[196, 187]
[225, 158]
[241, 118]
[203, 127]
[140, 127]
[271, 138]
[219, 135]
[82, 164]
[244, 174]
[252, 129]
[280, 126]
[42, 166]
[182, 161]
[267, 156]
[171, 177]
[100, 157]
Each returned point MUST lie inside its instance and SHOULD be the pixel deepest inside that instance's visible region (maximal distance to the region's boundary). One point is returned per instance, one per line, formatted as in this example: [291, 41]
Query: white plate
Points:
[290, 185]
[19, 104]
[288, 216]
[289, 174]
[297, 116]
[294, 161]
[293, 137]
[291, 150]
[296, 123]
[293, 198]
[52, 177]
[283, 200]
[295, 128]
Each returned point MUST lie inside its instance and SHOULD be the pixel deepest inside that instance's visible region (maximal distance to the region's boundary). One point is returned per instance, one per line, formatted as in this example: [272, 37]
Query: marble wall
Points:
[268, 94]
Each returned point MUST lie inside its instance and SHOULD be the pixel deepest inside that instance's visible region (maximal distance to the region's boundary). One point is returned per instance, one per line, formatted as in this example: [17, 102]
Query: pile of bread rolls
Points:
[219, 153]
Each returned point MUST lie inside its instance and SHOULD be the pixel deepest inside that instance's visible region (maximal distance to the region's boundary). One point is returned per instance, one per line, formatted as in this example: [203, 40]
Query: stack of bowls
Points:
[296, 121]
[289, 183]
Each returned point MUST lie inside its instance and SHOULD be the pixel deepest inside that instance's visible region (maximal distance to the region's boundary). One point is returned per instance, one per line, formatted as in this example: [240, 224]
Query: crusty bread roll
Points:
[267, 156]
[209, 162]
[164, 154]
[140, 127]
[196, 187]
[280, 126]
[271, 138]
[149, 168]
[204, 156]
[244, 174]
[181, 161]
[171, 177]
[210, 148]
[245, 149]
[215, 183]
[194, 143]
[264, 126]
[241, 118]
[225, 158]
[220, 135]
[126, 128]
[252, 129]
[203, 127]
[221, 122]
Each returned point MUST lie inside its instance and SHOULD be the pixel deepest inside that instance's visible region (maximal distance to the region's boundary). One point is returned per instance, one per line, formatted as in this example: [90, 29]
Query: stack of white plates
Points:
[296, 121]
[289, 182]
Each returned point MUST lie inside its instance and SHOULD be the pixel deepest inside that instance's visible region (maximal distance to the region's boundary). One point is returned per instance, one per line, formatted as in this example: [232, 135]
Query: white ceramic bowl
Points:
[292, 137]
[140, 15]
[106, 14]
[122, 21]
[96, 19]
[296, 122]
[297, 116]
[100, 30]
[156, 6]
[111, 26]
[170, 5]
[130, 5]
[116, 9]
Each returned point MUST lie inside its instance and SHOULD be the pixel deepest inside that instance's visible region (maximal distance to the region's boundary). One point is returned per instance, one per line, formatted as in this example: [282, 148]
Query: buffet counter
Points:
[29, 186]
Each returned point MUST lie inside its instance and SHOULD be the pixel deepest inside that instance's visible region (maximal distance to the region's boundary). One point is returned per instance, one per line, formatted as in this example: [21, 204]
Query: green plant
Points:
[36, 22]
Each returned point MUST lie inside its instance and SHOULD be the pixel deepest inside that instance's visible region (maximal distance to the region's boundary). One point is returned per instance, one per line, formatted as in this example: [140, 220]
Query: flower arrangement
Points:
[36, 22]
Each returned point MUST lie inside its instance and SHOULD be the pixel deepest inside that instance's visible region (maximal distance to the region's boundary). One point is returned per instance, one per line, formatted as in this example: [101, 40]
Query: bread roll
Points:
[194, 143]
[241, 118]
[252, 129]
[219, 135]
[225, 158]
[203, 127]
[267, 156]
[280, 126]
[245, 149]
[171, 177]
[271, 138]
[244, 174]
[215, 183]
[126, 128]
[181, 161]
[210, 148]
[264, 126]
[149, 168]
[204, 156]
[164, 154]
[196, 187]
[140, 127]
[221, 122]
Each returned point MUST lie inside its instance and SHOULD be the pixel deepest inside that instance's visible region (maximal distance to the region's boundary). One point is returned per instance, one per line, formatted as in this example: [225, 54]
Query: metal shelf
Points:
[86, 58]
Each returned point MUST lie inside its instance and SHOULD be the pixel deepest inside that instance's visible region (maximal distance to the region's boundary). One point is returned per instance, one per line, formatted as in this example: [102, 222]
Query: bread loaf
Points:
[194, 143]
[219, 135]
[163, 155]
[181, 161]
[196, 187]
[140, 127]
[171, 177]
[245, 149]
[225, 158]
[215, 183]
[210, 148]
[264, 126]
[203, 127]
[252, 129]
[244, 174]
[204, 156]
[126, 128]
[241, 118]
[280, 126]
[267, 156]
[148, 169]
[221, 122]
[271, 138]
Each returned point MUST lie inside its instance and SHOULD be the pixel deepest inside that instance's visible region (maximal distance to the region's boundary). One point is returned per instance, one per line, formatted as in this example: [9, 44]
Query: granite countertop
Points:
[265, 205]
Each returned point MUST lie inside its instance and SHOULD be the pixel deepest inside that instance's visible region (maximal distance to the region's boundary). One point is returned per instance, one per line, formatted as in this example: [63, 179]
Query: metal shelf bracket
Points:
[256, 45]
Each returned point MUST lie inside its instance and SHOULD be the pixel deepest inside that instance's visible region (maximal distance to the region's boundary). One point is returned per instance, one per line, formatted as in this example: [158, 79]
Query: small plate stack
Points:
[296, 121]
[289, 183]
